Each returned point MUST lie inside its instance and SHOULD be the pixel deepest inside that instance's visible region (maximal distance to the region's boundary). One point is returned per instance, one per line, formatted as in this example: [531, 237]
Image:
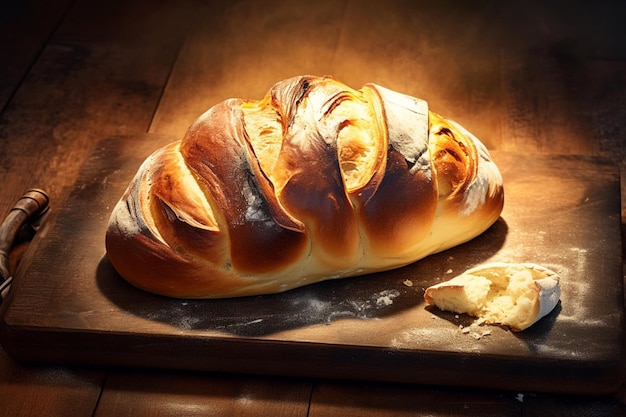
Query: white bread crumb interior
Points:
[516, 295]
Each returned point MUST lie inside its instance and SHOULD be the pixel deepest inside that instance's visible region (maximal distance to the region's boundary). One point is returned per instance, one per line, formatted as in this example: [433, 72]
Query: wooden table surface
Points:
[546, 78]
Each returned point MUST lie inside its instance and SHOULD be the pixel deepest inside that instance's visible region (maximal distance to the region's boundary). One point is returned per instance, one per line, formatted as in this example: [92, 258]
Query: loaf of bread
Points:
[509, 294]
[315, 181]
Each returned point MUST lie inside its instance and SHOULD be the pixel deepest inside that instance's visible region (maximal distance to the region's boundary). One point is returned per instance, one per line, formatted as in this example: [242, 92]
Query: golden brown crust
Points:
[318, 201]
[315, 181]
[262, 236]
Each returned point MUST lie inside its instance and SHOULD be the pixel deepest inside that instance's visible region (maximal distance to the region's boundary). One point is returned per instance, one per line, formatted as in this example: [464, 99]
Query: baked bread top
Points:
[314, 181]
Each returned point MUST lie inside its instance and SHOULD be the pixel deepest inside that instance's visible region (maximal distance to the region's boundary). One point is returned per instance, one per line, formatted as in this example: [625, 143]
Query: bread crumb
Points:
[474, 330]
[514, 295]
[408, 282]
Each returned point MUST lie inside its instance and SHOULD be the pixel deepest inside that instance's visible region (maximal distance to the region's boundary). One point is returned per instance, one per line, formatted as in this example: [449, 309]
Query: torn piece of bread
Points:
[516, 295]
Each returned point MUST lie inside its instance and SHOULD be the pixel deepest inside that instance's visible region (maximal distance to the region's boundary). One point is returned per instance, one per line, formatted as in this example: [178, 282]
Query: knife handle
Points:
[32, 205]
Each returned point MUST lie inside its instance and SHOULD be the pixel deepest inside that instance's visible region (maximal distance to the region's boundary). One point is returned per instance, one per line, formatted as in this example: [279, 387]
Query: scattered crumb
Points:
[520, 397]
[408, 282]
[449, 271]
[450, 258]
[474, 330]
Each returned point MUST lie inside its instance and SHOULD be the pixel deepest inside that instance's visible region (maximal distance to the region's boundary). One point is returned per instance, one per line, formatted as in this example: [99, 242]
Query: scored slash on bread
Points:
[315, 181]
[516, 295]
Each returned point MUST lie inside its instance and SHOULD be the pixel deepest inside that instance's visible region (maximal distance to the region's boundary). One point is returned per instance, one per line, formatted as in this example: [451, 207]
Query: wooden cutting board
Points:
[68, 305]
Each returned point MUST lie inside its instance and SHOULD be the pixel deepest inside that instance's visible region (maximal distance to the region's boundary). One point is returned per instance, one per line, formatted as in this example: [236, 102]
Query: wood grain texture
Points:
[569, 406]
[128, 393]
[396, 44]
[241, 50]
[25, 27]
[377, 400]
[79, 90]
[47, 391]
